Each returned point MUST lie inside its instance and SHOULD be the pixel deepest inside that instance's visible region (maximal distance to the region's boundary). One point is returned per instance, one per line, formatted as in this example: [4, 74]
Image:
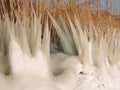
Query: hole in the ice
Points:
[81, 72]
[58, 72]
[5, 70]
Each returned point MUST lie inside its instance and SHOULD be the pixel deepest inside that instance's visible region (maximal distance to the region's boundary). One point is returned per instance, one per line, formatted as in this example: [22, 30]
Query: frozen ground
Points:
[91, 78]
[68, 74]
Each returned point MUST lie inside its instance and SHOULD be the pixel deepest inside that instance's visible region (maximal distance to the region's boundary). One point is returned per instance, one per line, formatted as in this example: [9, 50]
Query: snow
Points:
[31, 73]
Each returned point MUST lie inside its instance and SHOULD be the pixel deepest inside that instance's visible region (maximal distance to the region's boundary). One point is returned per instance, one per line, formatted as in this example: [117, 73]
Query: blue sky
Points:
[118, 3]
[113, 2]
[103, 3]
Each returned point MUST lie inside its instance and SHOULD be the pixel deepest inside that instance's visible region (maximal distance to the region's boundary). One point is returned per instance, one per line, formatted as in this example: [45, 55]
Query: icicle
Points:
[39, 33]
[4, 54]
[46, 39]
[83, 39]
[67, 47]
[75, 37]
[67, 33]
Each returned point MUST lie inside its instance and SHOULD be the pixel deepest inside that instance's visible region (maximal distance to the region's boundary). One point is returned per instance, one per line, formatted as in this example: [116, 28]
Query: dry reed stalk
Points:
[21, 9]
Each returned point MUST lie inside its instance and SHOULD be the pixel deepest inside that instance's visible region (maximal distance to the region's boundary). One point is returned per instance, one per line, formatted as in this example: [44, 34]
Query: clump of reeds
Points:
[90, 34]
[93, 36]
[22, 22]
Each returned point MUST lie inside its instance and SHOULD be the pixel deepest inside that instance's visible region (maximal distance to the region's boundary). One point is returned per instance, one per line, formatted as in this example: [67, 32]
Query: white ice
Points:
[33, 74]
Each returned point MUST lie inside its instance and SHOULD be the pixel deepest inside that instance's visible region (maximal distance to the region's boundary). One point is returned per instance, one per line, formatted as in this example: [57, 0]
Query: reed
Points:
[88, 37]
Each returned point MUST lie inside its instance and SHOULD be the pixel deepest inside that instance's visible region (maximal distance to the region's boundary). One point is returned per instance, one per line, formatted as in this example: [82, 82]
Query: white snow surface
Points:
[34, 74]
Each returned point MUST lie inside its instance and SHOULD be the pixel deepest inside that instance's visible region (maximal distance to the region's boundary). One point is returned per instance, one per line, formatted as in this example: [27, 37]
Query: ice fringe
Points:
[99, 55]
[25, 56]
[92, 48]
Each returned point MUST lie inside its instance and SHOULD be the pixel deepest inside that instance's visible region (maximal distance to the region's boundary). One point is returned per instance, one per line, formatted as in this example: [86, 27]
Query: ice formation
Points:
[89, 62]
